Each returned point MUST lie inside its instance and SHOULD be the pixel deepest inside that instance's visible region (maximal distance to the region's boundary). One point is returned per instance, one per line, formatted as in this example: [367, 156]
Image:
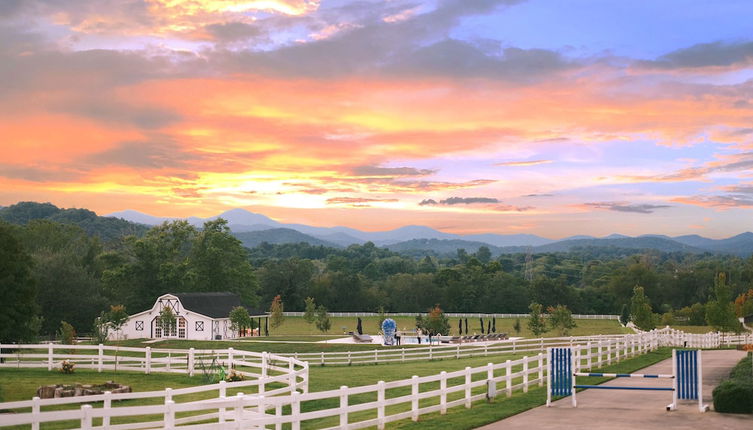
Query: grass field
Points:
[296, 335]
[298, 326]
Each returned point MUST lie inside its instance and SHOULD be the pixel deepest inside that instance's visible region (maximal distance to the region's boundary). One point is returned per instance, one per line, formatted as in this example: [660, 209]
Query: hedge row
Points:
[735, 395]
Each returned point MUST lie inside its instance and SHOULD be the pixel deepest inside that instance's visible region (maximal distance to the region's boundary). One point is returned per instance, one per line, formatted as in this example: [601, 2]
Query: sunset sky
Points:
[548, 117]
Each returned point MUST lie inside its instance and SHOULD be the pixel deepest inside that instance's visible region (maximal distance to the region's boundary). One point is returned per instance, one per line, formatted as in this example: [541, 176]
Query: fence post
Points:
[525, 373]
[191, 360]
[168, 394]
[169, 417]
[148, 353]
[100, 353]
[467, 387]
[49, 356]
[588, 356]
[414, 398]
[508, 378]
[107, 404]
[230, 357]
[261, 407]
[86, 417]
[292, 379]
[541, 369]
[343, 406]
[306, 377]
[264, 364]
[457, 352]
[430, 351]
[322, 358]
[278, 416]
[402, 355]
[35, 409]
[380, 405]
[350, 359]
[238, 410]
[442, 392]
[222, 395]
[295, 411]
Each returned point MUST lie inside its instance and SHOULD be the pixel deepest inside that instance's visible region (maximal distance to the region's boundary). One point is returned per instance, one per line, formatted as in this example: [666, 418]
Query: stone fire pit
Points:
[54, 391]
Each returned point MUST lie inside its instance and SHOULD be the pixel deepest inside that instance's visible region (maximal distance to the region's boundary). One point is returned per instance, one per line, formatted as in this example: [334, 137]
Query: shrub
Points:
[66, 366]
[234, 376]
[733, 396]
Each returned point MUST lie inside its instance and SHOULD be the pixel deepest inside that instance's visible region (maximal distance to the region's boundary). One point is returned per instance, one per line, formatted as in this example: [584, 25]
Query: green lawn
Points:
[298, 326]
[295, 335]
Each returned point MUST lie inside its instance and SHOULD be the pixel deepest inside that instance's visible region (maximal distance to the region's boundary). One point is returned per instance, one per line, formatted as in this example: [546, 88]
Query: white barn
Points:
[199, 316]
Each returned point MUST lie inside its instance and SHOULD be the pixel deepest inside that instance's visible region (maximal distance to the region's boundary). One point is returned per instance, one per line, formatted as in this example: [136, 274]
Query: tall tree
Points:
[220, 263]
[275, 311]
[240, 320]
[309, 315]
[720, 311]
[561, 319]
[640, 310]
[435, 323]
[323, 323]
[536, 322]
[17, 289]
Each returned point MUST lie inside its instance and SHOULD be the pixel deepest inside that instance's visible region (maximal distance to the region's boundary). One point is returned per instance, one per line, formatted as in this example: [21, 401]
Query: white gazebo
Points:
[199, 316]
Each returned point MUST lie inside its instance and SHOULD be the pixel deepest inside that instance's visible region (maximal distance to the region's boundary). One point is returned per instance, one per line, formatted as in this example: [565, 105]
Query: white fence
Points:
[347, 407]
[451, 315]
[266, 374]
[443, 351]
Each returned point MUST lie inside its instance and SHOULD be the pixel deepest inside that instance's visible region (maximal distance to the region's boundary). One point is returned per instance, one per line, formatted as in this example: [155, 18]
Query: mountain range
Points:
[253, 229]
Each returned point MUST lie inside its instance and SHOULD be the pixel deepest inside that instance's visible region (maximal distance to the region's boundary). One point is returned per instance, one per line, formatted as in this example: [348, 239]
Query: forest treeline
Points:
[53, 272]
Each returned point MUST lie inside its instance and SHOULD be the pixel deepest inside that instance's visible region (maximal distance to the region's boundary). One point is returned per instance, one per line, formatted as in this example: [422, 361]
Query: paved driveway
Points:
[617, 409]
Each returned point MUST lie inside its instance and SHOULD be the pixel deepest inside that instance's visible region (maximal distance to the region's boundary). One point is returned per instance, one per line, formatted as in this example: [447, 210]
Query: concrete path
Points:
[617, 409]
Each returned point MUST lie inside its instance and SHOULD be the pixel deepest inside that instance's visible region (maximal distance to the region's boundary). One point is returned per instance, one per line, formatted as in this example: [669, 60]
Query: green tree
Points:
[516, 326]
[117, 317]
[536, 322]
[720, 311]
[240, 320]
[625, 314]
[100, 328]
[310, 314]
[323, 323]
[167, 321]
[640, 310]
[17, 289]
[276, 318]
[218, 262]
[561, 319]
[435, 323]
[66, 334]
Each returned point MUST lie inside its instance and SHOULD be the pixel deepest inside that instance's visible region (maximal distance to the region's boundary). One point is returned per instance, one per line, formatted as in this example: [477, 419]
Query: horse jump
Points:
[687, 377]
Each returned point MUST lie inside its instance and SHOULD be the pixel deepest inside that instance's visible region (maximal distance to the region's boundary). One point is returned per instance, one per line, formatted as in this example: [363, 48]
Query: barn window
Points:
[139, 325]
[199, 325]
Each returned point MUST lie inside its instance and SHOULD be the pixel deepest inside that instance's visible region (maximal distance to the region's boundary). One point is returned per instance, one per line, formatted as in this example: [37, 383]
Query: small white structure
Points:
[199, 316]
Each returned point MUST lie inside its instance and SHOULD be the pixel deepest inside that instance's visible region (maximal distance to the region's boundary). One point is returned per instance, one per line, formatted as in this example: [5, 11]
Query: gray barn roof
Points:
[214, 305]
